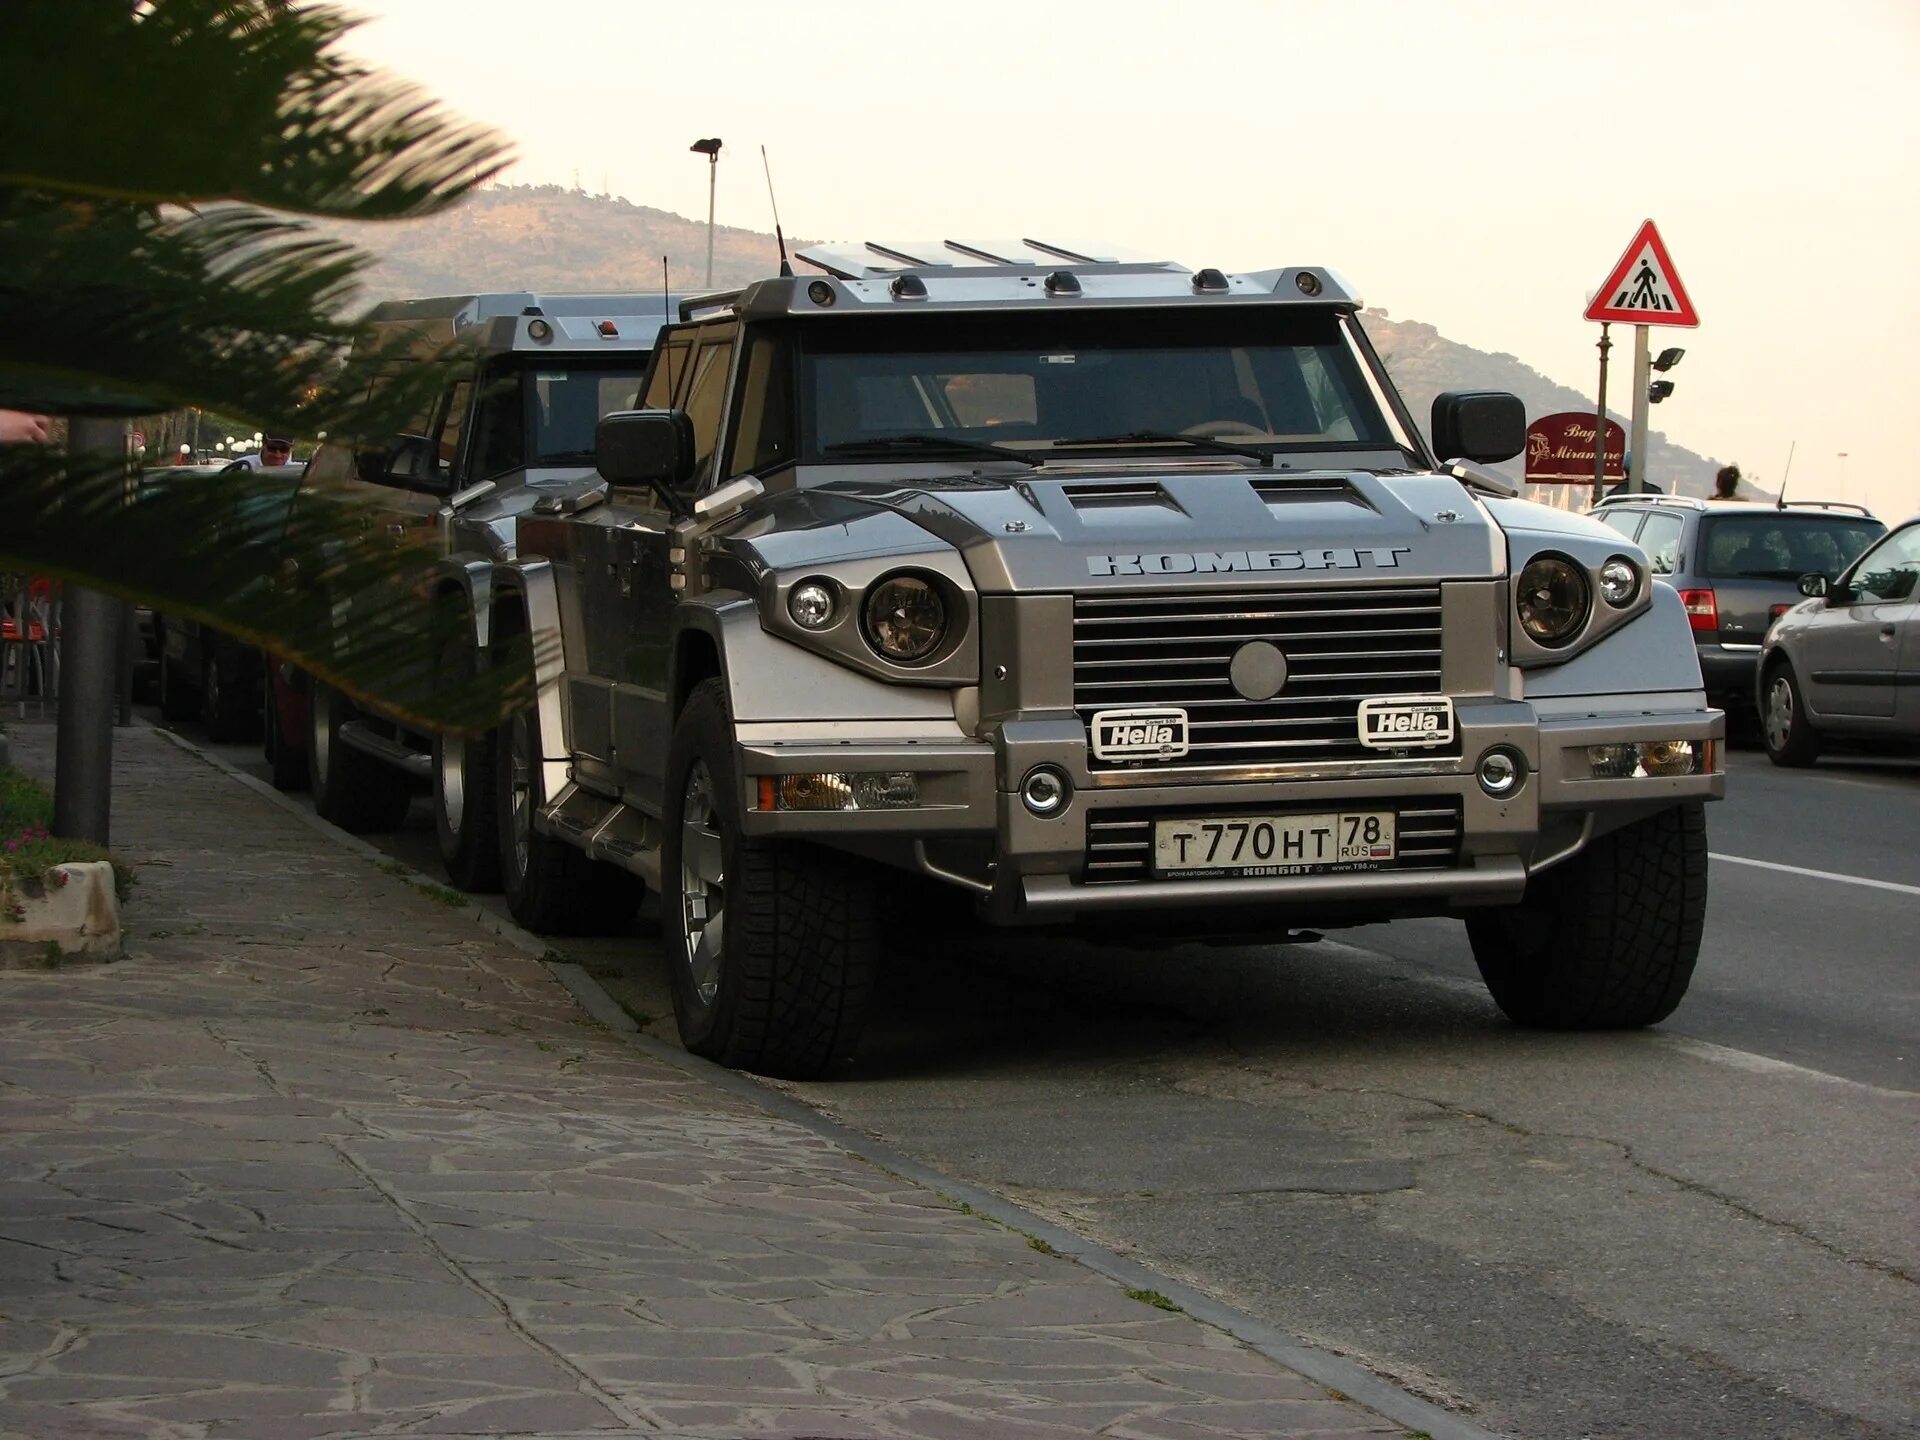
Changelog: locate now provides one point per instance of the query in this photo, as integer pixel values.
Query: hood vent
(1319, 489)
(1120, 494)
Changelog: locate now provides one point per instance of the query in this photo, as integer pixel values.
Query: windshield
(1783, 547)
(566, 405)
(1143, 380)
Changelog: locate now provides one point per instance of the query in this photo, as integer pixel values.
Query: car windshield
(1783, 546)
(1264, 381)
(567, 404)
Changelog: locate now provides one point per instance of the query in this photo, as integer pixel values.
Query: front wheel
(1790, 737)
(227, 707)
(466, 817)
(1608, 939)
(772, 948)
(351, 788)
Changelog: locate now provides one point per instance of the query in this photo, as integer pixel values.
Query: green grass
(27, 852)
(23, 805)
(1153, 1298)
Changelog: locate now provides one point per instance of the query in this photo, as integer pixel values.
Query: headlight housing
(1553, 599)
(905, 617)
(1619, 581)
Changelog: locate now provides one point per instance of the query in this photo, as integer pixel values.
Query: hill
(546, 237)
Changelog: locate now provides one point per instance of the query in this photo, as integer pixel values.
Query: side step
(609, 830)
(362, 736)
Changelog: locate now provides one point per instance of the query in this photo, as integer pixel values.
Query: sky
(1475, 164)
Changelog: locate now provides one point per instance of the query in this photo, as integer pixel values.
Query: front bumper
(973, 830)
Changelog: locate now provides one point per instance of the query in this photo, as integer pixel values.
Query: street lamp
(1841, 456)
(710, 149)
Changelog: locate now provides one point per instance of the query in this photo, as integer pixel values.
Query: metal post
(713, 181)
(89, 680)
(1637, 438)
(1600, 420)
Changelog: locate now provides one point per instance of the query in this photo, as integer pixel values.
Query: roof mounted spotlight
(1062, 282)
(1209, 279)
(820, 293)
(908, 287)
(539, 330)
(1308, 283)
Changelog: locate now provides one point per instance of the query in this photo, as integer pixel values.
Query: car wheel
(772, 948)
(176, 702)
(1608, 939)
(286, 764)
(351, 788)
(465, 814)
(1785, 729)
(551, 888)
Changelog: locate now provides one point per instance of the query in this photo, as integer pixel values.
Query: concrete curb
(1334, 1371)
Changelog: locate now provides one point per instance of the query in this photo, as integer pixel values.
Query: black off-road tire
(1786, 731)
(1608, 939)
(466, 811)
(226, 708)
(794, 978)
(351, 788)
(176, 702)
(551, 888)
(286, 764)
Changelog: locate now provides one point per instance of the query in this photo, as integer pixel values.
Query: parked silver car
(1846, 661)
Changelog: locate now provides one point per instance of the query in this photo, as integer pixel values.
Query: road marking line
(1816, 874)
(1766, 1065)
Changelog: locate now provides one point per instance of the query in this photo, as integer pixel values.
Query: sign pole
(1600, 420)
(1637, 437)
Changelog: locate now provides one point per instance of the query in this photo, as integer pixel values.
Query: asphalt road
(1706, 1230)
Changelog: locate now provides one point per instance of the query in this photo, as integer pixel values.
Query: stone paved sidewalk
(323, 1158)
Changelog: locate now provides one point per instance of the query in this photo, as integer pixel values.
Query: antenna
(1781, 503)
(786, 266)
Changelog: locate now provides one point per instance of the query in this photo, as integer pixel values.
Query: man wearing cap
(274, 452)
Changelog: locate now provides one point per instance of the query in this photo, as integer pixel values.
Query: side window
(1627, 522)
(1660, 538)
(499, 439)
(764, 437)
(668, 375)
(453, 420)
(1891, 570)
(706, 398)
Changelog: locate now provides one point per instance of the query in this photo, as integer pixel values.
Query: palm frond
(189, 101)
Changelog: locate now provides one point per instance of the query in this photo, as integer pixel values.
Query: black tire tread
(1621, 934)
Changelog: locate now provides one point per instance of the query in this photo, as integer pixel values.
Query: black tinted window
(1782, 547)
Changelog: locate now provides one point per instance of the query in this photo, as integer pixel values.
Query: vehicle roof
(910, 277)
(501, 321)
(1803, 508)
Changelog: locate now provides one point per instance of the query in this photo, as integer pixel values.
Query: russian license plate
(1257, 845)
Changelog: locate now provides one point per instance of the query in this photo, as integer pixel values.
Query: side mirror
(410, 460)
(1486, 426)
(1813, 586)
(651, 448)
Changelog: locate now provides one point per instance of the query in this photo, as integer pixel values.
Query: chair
(30, 642)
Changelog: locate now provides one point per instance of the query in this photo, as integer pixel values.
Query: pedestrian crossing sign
(1644, 288)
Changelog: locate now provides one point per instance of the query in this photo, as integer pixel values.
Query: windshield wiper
(1199, 442)
(883, 444)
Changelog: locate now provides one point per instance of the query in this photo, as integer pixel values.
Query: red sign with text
(1560, 448)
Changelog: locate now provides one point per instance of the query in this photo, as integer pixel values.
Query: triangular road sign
(1644, 288)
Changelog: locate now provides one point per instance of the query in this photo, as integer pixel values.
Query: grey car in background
(1738, 567)
(1845, 663)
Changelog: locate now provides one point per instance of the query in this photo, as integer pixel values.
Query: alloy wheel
(1779, 717)
(520, 789)
(703, 881)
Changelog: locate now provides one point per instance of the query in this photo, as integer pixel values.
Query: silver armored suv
(1101, 593)
(513, 430)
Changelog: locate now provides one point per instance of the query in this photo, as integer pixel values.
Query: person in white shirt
(274, 452)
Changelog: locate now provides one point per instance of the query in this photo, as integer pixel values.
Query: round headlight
(1619, 581)
(1553, 600)
(906, 619)
(811, 605)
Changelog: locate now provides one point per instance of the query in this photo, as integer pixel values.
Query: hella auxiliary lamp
(1650, 759)
(835, 790)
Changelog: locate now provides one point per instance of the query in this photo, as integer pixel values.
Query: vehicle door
(1906, 623)
(1852, 649)
(642, 691)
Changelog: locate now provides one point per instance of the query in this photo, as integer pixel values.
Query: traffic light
(1658, 391)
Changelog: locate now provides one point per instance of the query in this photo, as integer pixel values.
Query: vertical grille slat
(1175, 648)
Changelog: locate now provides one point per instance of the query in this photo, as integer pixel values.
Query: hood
(1197, 526)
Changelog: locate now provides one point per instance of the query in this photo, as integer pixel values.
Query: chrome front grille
(1120, 842)
(1342, 646)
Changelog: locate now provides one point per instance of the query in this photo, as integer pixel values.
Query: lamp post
(710, 149)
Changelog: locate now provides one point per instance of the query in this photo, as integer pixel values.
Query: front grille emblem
(1157, 733)
(1258, 671)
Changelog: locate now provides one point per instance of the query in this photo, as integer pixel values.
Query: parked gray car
(1737, 567)
(1845, 663)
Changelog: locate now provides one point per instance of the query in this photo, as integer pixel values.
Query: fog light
(1668, 757)
(1045, 791)
(1500, 773)
(815, 792)
(1613, 762)
(811, 605)
(895, 790)
(1619, 581)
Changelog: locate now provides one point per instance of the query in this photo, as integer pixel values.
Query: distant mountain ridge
(547, 237)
